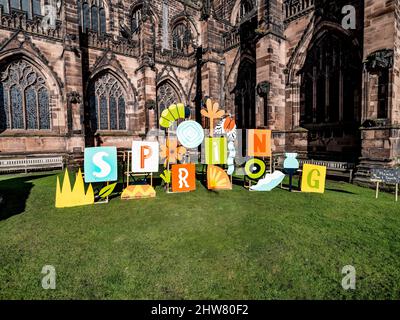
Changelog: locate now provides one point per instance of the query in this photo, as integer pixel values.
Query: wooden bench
(31, 163)
(333, 168)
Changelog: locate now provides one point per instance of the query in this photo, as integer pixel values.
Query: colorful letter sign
(183, 177)
(216, 150)
(313, 179)
(100, 164)
(259, 143)
(145, 156)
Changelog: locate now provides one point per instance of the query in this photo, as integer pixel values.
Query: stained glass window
(31, 7)
(15, 4)
(16, 107)
(181, 38)
(102, 13)
(36, 7)
(44, 119)
(95, 18)
(135, 19)
(166, 95)
(4, 3)
(86, 17)
(24, 98)
(92, 17)
(26, 6)
(107, 104)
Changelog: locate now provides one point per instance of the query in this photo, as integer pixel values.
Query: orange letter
(144, 156)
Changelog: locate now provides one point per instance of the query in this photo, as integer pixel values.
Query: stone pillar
(380, 135)
(271, 55)
(73, 78)
(212, 69)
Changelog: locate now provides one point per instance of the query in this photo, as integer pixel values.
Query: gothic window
(246, 6)
(166, 95)
(102, 14)
(86, 17)
(136, 18)
(181, 38)
(383, 93)
(93, 18)
(107, 104)
(331, 79)
(31, 7)
(24, 98)
(36, 7)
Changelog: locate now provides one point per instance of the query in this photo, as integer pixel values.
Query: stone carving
(382, 59)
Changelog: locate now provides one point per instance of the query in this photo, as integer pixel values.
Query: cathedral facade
(107, 69)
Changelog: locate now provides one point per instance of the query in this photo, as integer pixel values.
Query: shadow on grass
(14, 193)
(340, 191)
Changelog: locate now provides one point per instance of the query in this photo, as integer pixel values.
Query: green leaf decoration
(107, 190)
(166, 176)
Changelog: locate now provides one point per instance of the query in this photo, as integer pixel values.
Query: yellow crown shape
(68, 197)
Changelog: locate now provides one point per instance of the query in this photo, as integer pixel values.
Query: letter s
(105, 168)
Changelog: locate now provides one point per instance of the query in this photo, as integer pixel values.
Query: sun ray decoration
(218, 179)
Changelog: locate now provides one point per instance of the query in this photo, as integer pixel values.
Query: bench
(25, 164)
(333, 168)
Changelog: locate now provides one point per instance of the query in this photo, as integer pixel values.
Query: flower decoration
(212, 112)
(171, 152)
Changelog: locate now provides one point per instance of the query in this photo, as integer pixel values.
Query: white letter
(349, 21)
(349, 281)
(105, 168)
(49, 280)
(183, 174)
(216, 152)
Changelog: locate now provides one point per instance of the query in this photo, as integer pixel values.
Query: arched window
(107, 104)
(93, 18)
(24, 98)
(136, 19)
(245, 7)
(181, 38)
(166, 95)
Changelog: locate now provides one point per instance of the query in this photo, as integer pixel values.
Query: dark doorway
(245, 95)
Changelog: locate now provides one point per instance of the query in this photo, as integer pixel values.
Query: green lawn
(200, 245)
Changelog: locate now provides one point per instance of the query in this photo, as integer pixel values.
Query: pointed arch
(26, 95)
(107, 99)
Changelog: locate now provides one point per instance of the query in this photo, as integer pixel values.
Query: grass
(200, 245)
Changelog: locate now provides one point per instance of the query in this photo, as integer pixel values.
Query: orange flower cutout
(171, 152)
(212, 112)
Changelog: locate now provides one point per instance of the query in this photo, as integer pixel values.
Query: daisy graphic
(171, 152)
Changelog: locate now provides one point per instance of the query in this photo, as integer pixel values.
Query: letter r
(183, 175)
